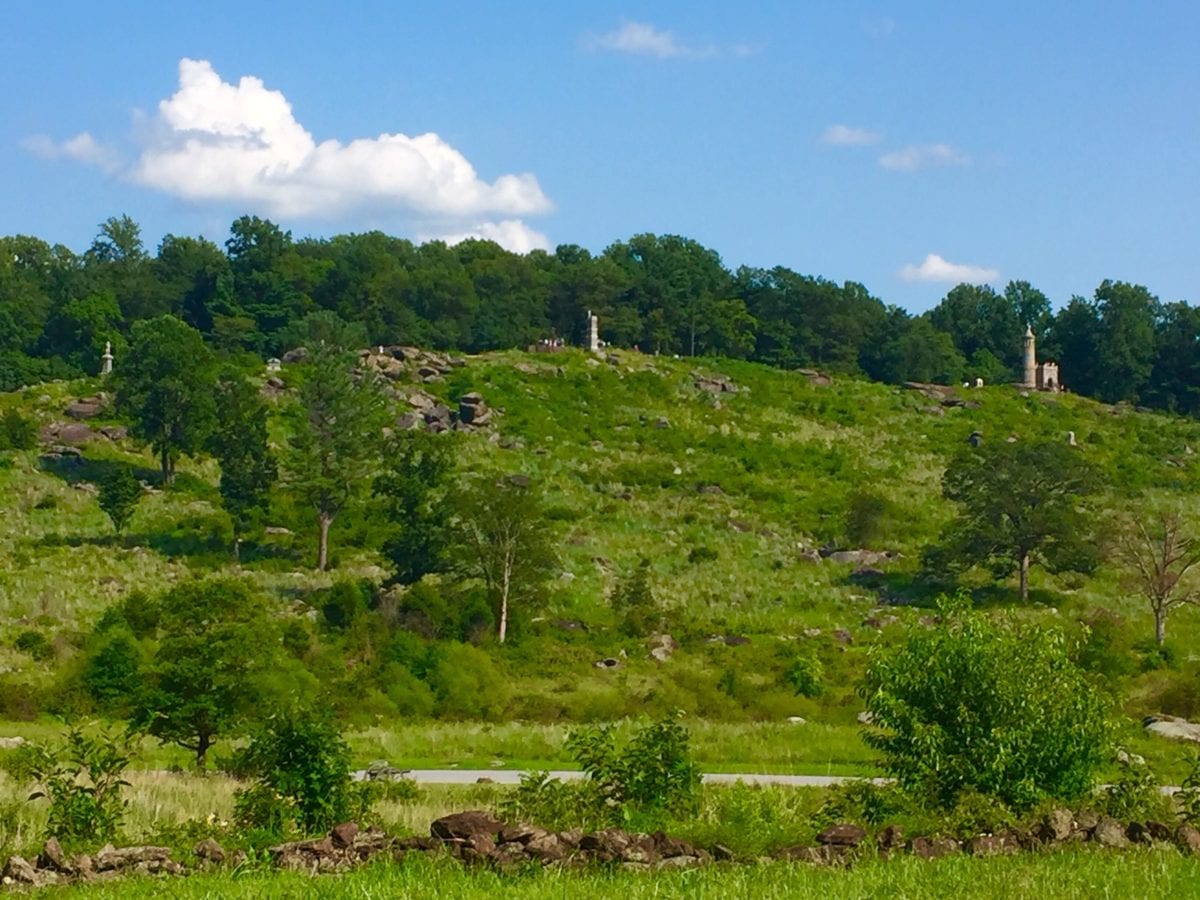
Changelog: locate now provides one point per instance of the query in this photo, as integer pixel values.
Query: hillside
(734, 479)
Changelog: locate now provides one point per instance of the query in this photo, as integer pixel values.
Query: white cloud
(848, 136)
(644, 39)
(880, 27)
(511, 234)
(240, 144)
(935, 268)
(923, 156)
(640, 39)
(82, 148)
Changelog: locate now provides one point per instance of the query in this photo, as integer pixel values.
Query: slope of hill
(735, 480)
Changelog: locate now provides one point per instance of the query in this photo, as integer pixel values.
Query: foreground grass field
(1061, 875)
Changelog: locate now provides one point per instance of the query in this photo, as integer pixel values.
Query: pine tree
(239, 442)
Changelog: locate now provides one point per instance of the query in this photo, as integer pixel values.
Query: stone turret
(1030, 379)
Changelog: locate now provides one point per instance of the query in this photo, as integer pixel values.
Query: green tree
(334, 445)
(216, 644)
(504, 539)
(985, 704)
(1018, 503)
(412, 486)
(165, 389)
(239, 442)
(119, 495)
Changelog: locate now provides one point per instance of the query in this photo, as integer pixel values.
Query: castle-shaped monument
(1038, 376)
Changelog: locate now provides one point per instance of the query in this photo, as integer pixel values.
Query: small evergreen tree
(119, 495)
(412, 486)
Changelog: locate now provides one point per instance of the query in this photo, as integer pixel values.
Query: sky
(906, 146)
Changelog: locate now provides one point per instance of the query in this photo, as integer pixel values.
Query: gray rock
(1110, 833)
(1173, 728)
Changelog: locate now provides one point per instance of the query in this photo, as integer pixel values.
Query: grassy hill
(727, 490)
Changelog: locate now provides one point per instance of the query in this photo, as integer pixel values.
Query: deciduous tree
(1160, 555)
(239, 442)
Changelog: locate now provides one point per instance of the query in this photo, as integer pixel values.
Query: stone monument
(593, 332)
(106, 360)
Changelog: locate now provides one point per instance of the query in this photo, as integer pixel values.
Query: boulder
(85, 407)
(343, 835)
(521, 834)
(662, 646)
(933, 847)
(76, 433)
(1148, 832)
(890, 838)
(669, 848)
(1110, 833)
(1057, 825)
(992, 845)
(466, 825)
(1187, 839)
(1174, 728)
(297, 355)
(21, 871)
(843, 834)
(52, 857)
(208, 850)
(111, 858)
(114, 432)
(823, 855)
(609, 662)
(546, 848)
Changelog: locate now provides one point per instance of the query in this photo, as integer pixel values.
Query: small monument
(106, 360)
(1038, 376)
(274, 364)
(593, 332)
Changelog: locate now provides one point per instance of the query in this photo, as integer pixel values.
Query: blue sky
(903, 145)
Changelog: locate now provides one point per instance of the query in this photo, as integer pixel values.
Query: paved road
(512, 776)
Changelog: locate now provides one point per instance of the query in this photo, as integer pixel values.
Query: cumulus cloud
(848, 136)
(513, 234)
(923, 156)
(935, 268)
(240, 144)
(82, 148)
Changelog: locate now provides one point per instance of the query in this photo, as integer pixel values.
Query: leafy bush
(1188, 797)
(986, 705)
(654, 771)
(301, 767)
(17, 432)
(112, 673)
(119, 496)
(860, 800)
(34, 643)
(1135, 793)
(702, 554)
(466, 683)
(82, 779)
(867, 519)
(804, 676)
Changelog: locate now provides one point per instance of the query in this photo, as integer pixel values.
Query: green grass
(1067, 874)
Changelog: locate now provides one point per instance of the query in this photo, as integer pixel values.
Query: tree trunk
(168, 471)
(323, 523)
(1160, 625)
(203, 742)
(505, 583)
(1024, 576)
(237, 548)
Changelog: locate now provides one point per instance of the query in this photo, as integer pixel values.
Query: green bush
(34, 643)
(82, 778)
(301, 767)
(804, 675)
(1188, 797)
(867, 519)
(1135, 793)
(988, 705)
(17, 432)
(635, 604)
(653, 771)
(466, 683)
(112, 672)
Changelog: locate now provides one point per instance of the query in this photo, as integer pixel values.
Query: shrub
(344, 603)
(82, 779)
(867, 518)
(986, 705)
(34, 643)
(1188, 797)
(466, 683)
(635, 603)
(654, 771)
(702, 554)
(804, 676)
(119, 496)
(1135, 793)
(17, 432)
(112, 674)
(301, 767)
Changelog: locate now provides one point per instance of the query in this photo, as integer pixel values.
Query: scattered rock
(714, 384)
(466, 825)
(843, 834)
(208, 850)
(608, 662)
(992, 845)
(86, 407)
(1109, 833)
(21, 871)
(1187, 838)
(1171, 727)
(1056, 826)
(933, 847)
(662, 646)
(11, 743)
(843, 636)
(890, 839)
(52, 857)
(343, 835)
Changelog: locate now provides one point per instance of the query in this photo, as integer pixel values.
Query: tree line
(660, 293)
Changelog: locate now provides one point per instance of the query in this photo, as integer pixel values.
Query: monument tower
(1030, 380)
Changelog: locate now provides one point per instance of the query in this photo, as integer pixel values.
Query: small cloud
(848, 136)
(640, 39)
(82, 148)
(880, 27)
(511, 234)
(935, 268)
(923, 156)
(644, 39)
